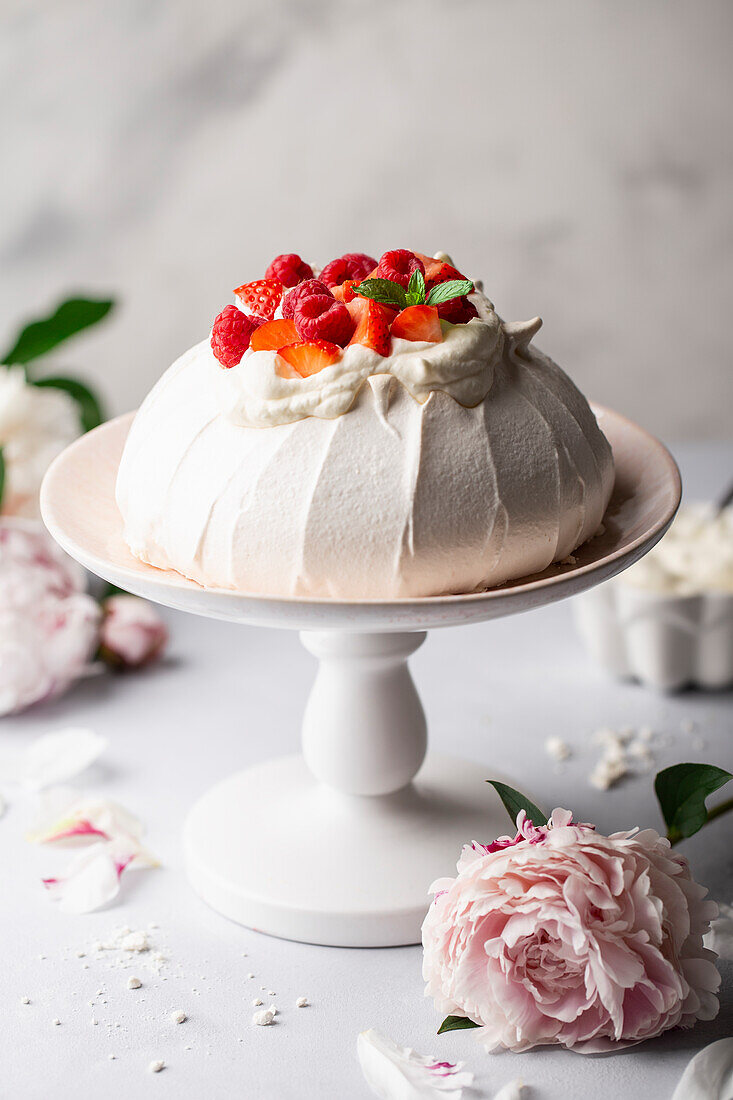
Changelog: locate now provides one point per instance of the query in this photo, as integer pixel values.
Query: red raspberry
(301, 291)
(289, 269)
(457, 310)
(398, 266)
(354, 265)
(231, 334)
(321, 317)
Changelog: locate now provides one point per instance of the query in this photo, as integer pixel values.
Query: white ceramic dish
(666, 642)
(339, 846)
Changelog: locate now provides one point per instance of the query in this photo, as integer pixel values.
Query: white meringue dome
(372, 479)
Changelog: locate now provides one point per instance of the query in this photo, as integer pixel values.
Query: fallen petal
(709, 1076)
(398, 1073)
(66, 816)
(511, 1091)
(92, 878)
(54, 758)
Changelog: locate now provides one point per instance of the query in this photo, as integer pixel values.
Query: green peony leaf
(681, 792)
(416, 288)
(453, 288)
(384, 291)
(90, 408)
(43, 335)
(456, 1023)
(514, 802)
(2, 477)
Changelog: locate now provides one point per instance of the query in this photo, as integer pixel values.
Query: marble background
(577, 154)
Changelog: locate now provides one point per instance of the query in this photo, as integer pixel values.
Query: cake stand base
(272, 848)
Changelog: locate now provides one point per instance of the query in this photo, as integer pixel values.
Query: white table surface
(227, 697)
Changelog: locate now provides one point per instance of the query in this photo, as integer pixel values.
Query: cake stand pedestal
(340, 845)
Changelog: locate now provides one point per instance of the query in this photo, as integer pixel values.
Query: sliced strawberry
(274, 335)
(260, 298)
(418, 323)
(345, 291)
(372, 324)
(310, 357)
(438, 272)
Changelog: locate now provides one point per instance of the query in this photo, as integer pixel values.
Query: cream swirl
(258, 394)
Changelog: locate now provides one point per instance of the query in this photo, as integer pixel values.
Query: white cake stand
(339, 845)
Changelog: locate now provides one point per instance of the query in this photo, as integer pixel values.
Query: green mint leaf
(454, 288)
(384, 291)
(2, 477)
(681, 792)
(514, 802)
(90, 408)
(456, 1023)
(416, 288)
(43, 335)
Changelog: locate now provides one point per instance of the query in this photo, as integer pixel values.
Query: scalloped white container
(666, 642)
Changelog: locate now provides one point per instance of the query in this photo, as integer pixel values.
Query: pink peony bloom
(571, 937)
(48, 624)
(132, 632)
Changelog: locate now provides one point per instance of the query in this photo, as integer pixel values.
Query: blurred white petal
(512, 1091)
(709, 1076)
(66, 816)
(92, 879)
(398, 1073)
(53, 758)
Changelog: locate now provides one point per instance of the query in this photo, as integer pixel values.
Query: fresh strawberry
(418, 323)
(310, 357)
(398, 265)
(321, 317)
(345, 291)
(354, 265)
(274, 335)
(260, 298)
(302, 290)
(372, 324)
(439, 272)
(289, 269)
(230, 335)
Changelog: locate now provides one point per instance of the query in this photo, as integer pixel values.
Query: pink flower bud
(132, 632)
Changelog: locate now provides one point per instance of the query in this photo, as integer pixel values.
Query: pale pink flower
(48, 624)
(132, 632)
(568, 936)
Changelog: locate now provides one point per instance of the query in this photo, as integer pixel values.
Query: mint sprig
(389, 293)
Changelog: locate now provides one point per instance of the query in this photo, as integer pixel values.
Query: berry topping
(321, 317)
(311, 357)
(289, 269)
(418, 323)
(458, 311)
(230, 335)
(260, 298)
(372, 325)
(398, 266)
(274, 335)
(344, 291)
(301, 291)
(354, 265)
(438, 272)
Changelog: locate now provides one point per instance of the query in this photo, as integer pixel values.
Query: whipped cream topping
(263, 391)
(695, 556)
(457, 466)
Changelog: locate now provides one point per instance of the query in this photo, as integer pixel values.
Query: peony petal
(398, 1073)
(709, 1076)
(93, 877)
(511, 1091)
(66, 816)
(720, 937)
(54, 758)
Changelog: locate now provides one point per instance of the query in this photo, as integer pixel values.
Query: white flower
(132, 634)
(48, 624)
(36, 423)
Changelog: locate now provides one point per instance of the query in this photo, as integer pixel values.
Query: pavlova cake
(369, 430)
